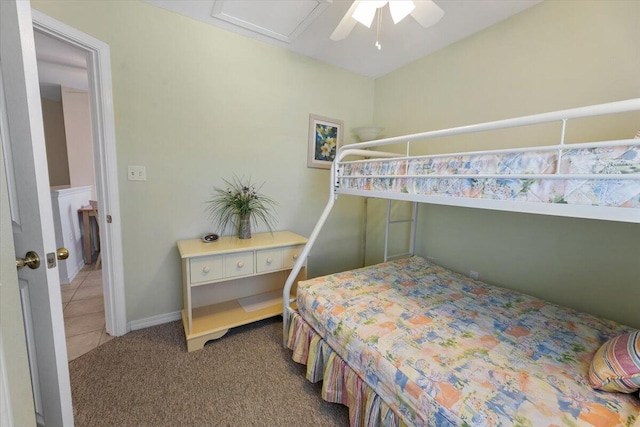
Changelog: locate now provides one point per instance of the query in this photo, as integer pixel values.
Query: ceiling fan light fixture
(425, 12)
(400, 9)
(366, 11)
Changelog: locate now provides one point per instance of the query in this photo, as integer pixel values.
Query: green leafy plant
(239, 204)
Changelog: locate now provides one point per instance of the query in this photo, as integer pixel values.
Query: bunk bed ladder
(412, 236)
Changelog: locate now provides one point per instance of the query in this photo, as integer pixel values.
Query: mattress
(456, 176)
(440, 349)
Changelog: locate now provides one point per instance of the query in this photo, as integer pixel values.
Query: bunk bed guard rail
(341, 174)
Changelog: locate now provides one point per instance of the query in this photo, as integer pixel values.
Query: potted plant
(238, 205)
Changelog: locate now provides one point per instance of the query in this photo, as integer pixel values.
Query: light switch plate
(136, 173)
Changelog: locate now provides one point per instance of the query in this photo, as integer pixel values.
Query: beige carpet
(246, 378)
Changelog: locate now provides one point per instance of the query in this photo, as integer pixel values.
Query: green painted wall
(196, 104)
(556, 55)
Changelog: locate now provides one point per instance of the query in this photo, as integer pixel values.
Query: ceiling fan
(426, 12)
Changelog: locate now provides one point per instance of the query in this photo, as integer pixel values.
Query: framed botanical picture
(325, 137)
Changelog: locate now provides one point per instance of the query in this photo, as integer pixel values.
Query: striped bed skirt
(340, 383)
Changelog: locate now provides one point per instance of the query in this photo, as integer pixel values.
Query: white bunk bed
(595, 180)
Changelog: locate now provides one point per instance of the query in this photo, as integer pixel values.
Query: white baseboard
(154, 320)
(70, 276)
(74, 273)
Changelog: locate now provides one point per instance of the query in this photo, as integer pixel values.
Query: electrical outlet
(136, 173)
(474, 275)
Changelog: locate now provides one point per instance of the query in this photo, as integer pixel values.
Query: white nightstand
(232, 282)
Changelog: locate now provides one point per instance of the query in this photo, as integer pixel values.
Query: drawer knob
(240, 264)
(206, 269)
(295, 256)
(269, 260)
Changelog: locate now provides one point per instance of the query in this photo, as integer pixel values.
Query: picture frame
(325, 138)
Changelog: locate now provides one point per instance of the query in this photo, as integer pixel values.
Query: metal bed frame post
(414, 228)
(286, 292)
(560, 150)
(365, 220)
(286, 298)
(412, 237)
(386, 231)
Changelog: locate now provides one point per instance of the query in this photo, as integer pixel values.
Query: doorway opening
(64, 92)
(96, 78)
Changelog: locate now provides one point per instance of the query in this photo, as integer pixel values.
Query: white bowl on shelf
(368, 133)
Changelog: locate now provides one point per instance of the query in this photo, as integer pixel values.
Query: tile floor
(83, 308)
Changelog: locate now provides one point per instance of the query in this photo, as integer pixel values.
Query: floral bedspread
(400, 176)
(443, 350)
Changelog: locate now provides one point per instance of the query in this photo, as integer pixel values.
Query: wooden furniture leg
(86, 225)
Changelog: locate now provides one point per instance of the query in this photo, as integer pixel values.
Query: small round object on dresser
(209, 237)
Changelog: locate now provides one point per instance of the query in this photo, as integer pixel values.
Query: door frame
(105, 161)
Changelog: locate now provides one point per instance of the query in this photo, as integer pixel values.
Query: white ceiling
(59, 64)
(304, 26)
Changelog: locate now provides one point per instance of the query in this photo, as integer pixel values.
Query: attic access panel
(282, 20)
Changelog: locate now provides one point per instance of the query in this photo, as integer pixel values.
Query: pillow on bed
(616, 364)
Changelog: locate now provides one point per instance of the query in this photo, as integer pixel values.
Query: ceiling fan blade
(427, 13)
(347, 23)
(400, 9)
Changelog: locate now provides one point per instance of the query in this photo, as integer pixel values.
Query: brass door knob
(31, 260)
(62, 253)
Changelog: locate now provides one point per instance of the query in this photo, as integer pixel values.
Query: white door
(29, 194)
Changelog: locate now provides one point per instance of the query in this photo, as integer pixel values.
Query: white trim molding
(154, 320)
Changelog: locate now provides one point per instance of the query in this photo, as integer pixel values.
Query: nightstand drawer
(206, 269)
(238, 264)
(268, 260)
(291, 254)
